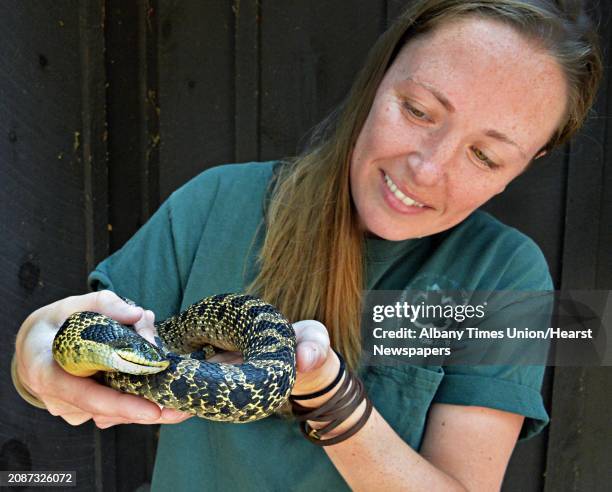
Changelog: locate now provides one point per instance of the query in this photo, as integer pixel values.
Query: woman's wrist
(344, 426)
(324, 398)
(335, 412)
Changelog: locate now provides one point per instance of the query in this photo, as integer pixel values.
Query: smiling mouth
(400, 196)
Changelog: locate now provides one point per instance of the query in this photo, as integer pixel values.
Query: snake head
(133, 354)
(89, 342)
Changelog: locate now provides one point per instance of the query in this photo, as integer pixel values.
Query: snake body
(177, 374)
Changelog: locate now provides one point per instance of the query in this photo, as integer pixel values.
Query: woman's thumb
(310, 356)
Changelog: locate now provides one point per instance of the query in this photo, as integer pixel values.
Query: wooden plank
(94, 135)
(148, 57)
(310, 54)
(47, 138)
(584, 193)
(534, 203)
(580, 435)
(603, 275)
(133, 124)
(525, 471)
(580, 442)
(93, 160)
(246, 146)
(196, 89)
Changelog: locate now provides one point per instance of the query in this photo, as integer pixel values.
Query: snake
(175, 373)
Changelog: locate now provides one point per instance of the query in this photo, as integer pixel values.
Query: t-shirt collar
(378, 249)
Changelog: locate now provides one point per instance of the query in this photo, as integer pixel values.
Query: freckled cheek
(464, 197)
(385, 137)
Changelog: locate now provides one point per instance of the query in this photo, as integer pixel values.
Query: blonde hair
(311, 263)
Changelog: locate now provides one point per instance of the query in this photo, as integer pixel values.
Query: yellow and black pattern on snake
(177, 375)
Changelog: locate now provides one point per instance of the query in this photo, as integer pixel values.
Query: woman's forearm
(376, 458)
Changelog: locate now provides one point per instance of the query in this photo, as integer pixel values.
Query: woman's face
(459, 114)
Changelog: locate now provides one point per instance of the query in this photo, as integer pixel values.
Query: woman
(455, 101)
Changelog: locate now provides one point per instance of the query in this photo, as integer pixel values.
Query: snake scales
(176, 375)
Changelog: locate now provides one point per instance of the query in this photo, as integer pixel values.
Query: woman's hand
(317, 363)
(77, 399)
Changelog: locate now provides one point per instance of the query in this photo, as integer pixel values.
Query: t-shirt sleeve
(512, 388)
(153, 267)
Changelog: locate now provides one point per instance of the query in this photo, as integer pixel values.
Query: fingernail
(311, 357)
(145, 416)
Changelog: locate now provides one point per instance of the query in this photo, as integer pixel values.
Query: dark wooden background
(106, 107)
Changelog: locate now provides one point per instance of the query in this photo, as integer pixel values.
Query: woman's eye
(481, 156)
(418, 114)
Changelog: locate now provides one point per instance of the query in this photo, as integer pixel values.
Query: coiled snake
(176, 375)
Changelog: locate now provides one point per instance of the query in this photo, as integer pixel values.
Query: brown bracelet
(21, 389)
(336, 416)
(334, 412)
(345, 435)
(339, 399)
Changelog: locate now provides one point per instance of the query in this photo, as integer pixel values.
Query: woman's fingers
(76, 418)
(168, 416)
(105, 425)
(75, 415)
(145, 326)
(101, 400)
(172, 416)
(93, 398)
(59, 408)
(312, 344)
(103, 302)
(70, 413)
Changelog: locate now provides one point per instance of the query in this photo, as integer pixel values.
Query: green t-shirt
(203, 241)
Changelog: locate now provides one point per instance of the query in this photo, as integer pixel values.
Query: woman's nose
(430, 162)
(426, 170)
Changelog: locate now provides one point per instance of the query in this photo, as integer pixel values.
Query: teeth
(399, 195)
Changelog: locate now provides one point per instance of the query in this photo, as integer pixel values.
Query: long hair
(311, 263)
